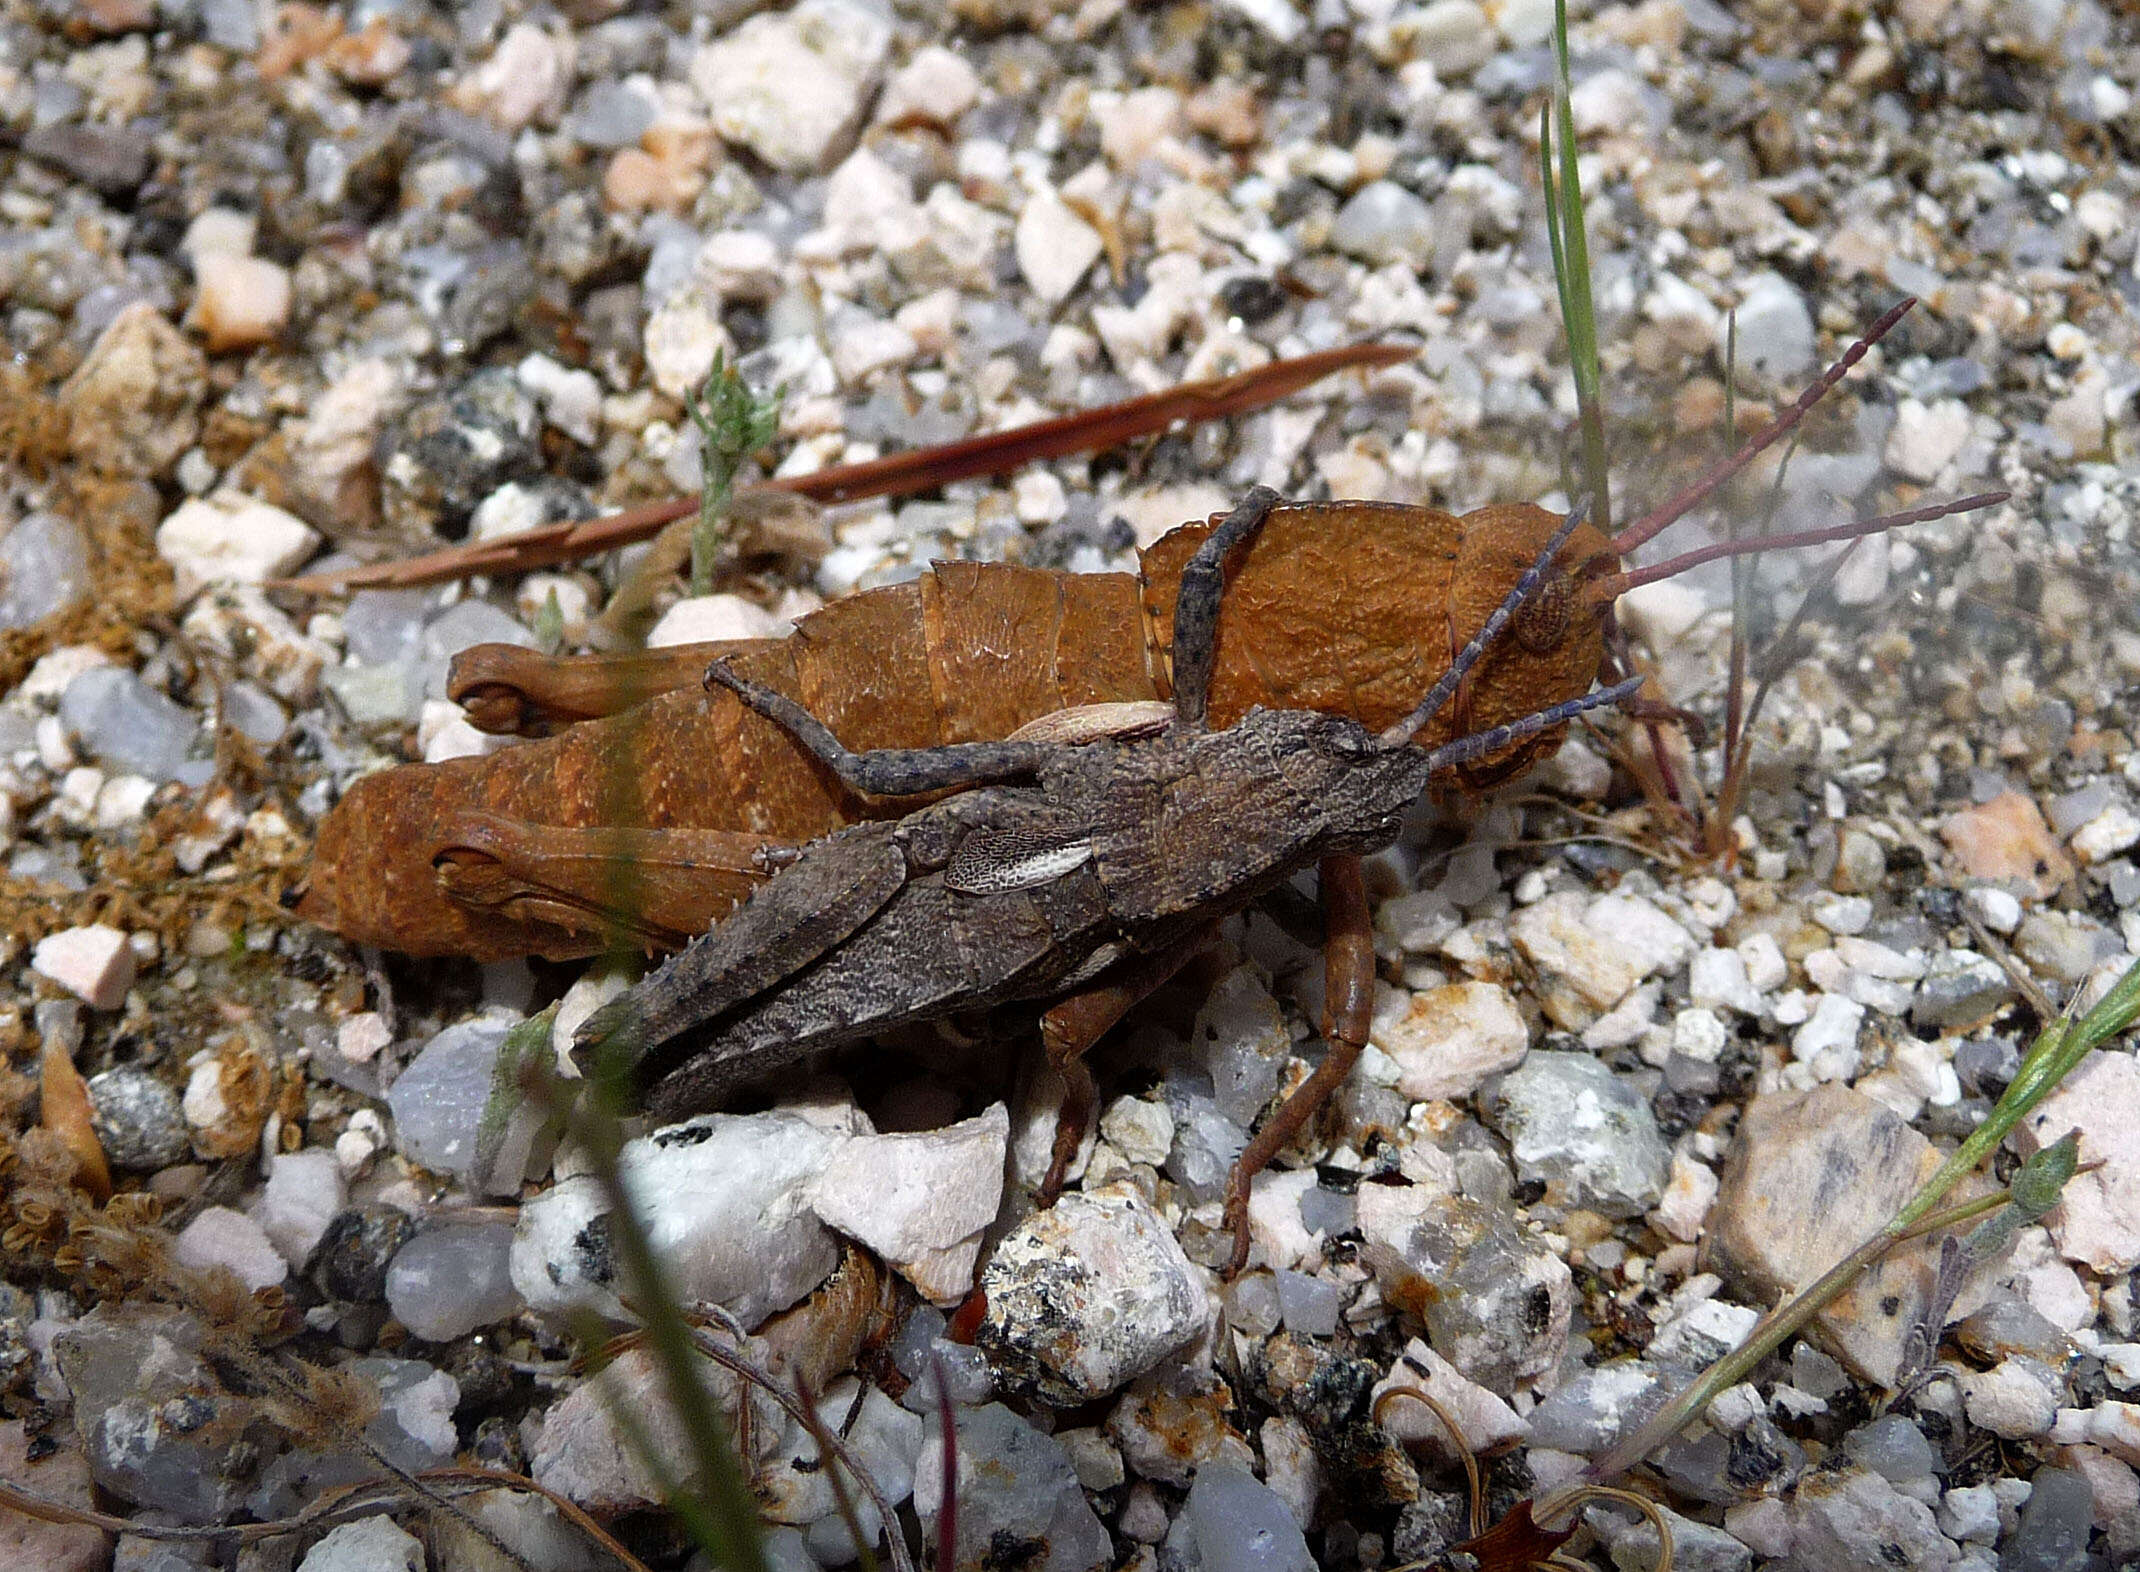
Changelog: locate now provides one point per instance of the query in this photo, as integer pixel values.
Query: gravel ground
(305, 286)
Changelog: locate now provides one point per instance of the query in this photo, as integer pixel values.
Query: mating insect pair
(1088, 884)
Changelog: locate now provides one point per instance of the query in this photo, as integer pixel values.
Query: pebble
(935, 88)
(126, 723)
(921, 1201)
(1970, 1514)
(1488, 1424)
(1448, 1041)
(1593, 1408)
(1716, 978)
(449, 1281)
(58, 1475)
(2116, 829)
(1926, 438)
(885, 1440)
(217, 1236)
(2052, 1534)
(2097, 1222)
(95, 964)
(1383, 223)
(304, 1193)
(239, 302)
(525, 78)
(438, 1099)
(1775, 330)
(1019, 1502)
(138, 1120)
(1586, 1133)
(1088, 1295)
(1811, 1175)
(2006, 841)
(1240, 1524)
(1853, 1518)
(791, 86)
(1829, 1039)
(584, 1454)
(1241, 1036)
(1308, 1305)
(370, 1544)
(1496, 1302)
(44, 569)
(231, 536)
(1590, 951)
(447, 453)
(1140, 1128)
(1961, 991)
(1688, 1195)
(1055, 247)
(159, 1430)
(134, 401)
(350, 1262)
(725, 1199)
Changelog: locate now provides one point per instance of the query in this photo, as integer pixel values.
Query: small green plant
(733, 423)
(1567, 234)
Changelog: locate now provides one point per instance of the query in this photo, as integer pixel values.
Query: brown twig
(900, 474)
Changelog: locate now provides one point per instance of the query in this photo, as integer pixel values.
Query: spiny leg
(1524, 588)
(1070, 1028)
(884, 772)
(1197, 601)
(1348, 1007)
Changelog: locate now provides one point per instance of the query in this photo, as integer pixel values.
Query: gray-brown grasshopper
(1089, 885)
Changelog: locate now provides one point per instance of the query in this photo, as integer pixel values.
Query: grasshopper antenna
(1525, 587)
(1656, 519)
(1611, 586)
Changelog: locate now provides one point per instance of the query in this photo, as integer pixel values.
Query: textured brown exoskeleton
(1090, 885)
(659, 805)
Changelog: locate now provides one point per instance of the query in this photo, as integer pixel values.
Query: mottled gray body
(1119, 850)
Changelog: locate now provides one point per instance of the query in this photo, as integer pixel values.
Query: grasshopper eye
(1541, 622)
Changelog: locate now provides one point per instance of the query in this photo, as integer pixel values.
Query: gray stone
(1961, 990)
(1855, 1521)
(126, 724)
(351, 1260)
(1019, 1501)
(1495, 1301)
(1775, 330)
(610, 114)
(158, 1427)
(449, 1281)
(1242, 1525)
(1594, 1408)
(1244, 1043)
(383, 626)
(138, 1119)
(1384, 223)
(447, 454)
(2052, 1535)
(1894, 1448)
(1586, 1133)
(438, 1100)
(44, 568)
(113, 159)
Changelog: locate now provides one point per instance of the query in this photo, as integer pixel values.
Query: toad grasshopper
(1089, 884)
